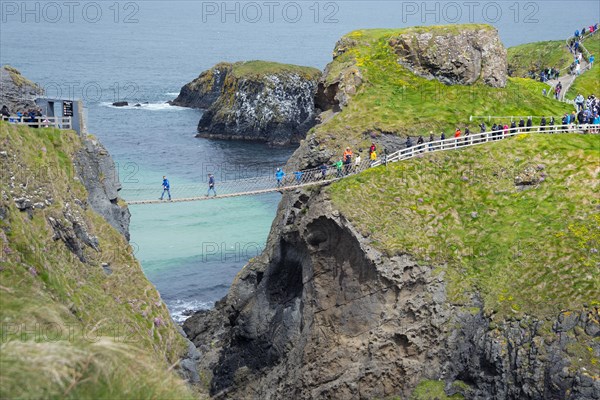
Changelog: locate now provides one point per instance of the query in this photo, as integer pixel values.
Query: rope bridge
(317, 176)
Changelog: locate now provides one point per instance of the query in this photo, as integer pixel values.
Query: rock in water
(473, 53)
(254, 100)
(120, 103)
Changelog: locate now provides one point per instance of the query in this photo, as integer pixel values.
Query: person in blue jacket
(166, 188)
(279, 175)
(211, 185)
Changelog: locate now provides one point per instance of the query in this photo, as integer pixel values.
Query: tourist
(578, 69)
(211, 185)
(339, 165)
(347, 157)
(529, 124)
(505, 129)
(551, 125)
(591, 60)
(431, 140)
(4, 112)
(357, 161)
(279, 174)
(373, 157)
(513, 126)
(543, 124)
(420, 141)
(166, 188)
(521, 125)
(298, 175)
(372, 148)
(579, 102)
(408, 144)
(323, 168)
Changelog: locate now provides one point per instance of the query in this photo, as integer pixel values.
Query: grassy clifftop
(260, 68)
(517, 221)
(589, 82)
(391, 99)
(538, 55)
(79, 319)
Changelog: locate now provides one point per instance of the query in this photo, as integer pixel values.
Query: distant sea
(144, 51)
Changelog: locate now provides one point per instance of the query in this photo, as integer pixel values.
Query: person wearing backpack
(279, 174)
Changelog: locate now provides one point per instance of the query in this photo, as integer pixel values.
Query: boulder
(454, 57)
(120, 103)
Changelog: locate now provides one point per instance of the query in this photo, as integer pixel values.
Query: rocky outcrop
(322, 314)
(18, 93)
(453, 57)
(205, 90)
(339, 82)
(97, 172)
(258, 101)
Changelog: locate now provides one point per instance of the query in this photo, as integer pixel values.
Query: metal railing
(40, 122)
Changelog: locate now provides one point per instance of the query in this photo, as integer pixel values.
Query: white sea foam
(172, 93)
(163, 106)
(179, 307)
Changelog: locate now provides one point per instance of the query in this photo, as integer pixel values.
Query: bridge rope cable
(318, 176)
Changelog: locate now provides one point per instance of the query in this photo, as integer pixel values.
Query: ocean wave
(180, 309)
(172, 93)
(163, 106)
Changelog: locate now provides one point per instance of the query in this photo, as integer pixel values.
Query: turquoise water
(147, 51)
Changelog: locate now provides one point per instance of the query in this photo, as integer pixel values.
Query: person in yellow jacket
(373, 157)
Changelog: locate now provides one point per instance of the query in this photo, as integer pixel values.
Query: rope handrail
(318, 176)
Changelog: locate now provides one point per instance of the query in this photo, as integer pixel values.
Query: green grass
(393, 100)
(432, 390)
(68, 329)
(258, 68)
(537, 56)
(18, 79)
(589, 82)
(531, 251)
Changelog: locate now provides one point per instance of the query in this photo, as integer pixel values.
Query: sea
(145, 51)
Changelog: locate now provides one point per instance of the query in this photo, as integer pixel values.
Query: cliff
(411, 276)
(468, 274)
(371, 92)
(254, 100)
(79, 318)
(18, 93)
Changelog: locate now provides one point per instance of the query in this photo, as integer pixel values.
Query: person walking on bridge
(166, 188)
(279, 176)
(211, 185)
(347, 157)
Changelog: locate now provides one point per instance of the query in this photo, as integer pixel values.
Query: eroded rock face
(96, 170)
(273, 107)
(323, 315)
(454, 57)
(203, 91)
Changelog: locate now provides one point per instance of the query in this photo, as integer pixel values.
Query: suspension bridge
(140, 195)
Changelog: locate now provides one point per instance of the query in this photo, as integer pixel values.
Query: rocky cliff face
(96, 170)
(18, 93)
(203, 91)
(322, 314)
(462, 57)
(258, 101)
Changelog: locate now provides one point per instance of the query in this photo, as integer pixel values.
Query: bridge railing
(40, 122)
(481, 138)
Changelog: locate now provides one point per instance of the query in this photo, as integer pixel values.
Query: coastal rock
(120, 103)
(473, 53)
(254, 100)
(205, 90)
(96, 170)
(18, 93)
(338, 85)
